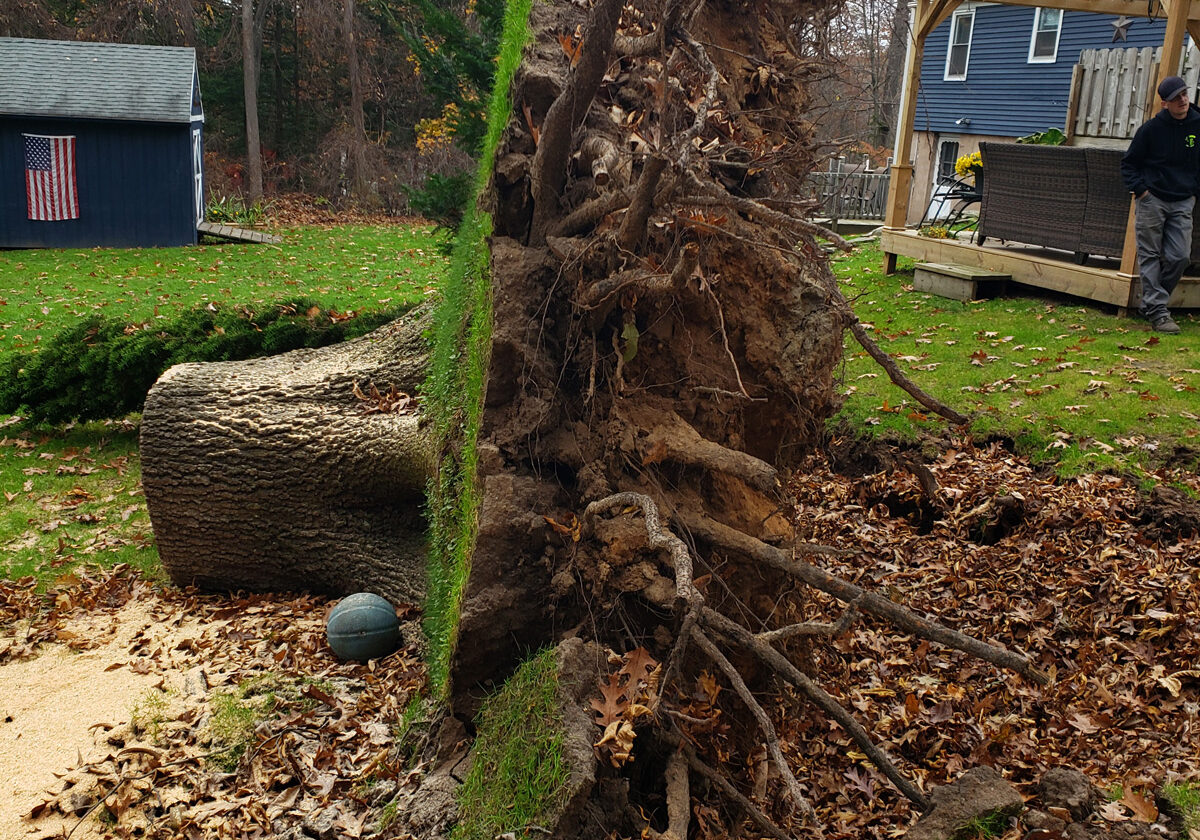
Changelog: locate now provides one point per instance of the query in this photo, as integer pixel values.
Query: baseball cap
(1171, 87)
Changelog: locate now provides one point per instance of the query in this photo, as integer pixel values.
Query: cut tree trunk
(299, 471)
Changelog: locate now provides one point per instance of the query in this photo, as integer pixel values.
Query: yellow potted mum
(972, 165)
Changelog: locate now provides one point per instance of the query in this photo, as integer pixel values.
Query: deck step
(960, 282)
(237, 234)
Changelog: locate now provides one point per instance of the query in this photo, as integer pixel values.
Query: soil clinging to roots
(666, 330)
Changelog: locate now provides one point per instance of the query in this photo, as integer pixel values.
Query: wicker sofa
(1058, 197)
(1106, 212)
(1055, 196)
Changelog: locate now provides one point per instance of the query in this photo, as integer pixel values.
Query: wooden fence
(850, 195)
(1113, 91)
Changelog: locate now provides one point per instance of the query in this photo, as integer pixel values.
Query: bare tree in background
(250, 57)
(893, 68)
(867, 41)
(28, 19)
(166, 22)
(358, 140)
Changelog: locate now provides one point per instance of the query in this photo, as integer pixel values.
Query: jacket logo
(1190, 141)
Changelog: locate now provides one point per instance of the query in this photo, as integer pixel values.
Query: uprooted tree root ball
(666, 330)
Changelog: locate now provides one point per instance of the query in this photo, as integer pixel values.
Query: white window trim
(946, 76)
(942, 140)
(1037, 19)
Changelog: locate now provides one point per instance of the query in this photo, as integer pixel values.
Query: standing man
(1162, 169)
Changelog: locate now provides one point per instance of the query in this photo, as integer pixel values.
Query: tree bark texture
(358, 150)
(273, 474)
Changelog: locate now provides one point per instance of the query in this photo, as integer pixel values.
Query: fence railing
(850, 195)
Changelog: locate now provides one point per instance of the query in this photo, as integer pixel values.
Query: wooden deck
(237, 234)
(1099, 280)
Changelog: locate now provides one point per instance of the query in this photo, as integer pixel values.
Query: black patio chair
(962, 194)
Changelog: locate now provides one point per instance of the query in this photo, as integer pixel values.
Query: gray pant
(1164, 246)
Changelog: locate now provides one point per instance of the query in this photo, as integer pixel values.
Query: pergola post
(901, 176)
(1177, 21)
(927, 14)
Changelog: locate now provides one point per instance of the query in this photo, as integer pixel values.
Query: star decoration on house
(1120, 28)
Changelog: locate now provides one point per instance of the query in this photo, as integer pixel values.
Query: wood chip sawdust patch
(129, 709)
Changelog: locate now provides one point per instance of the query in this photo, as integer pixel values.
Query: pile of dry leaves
(299, 210)
(1096, 582)
(252, 728)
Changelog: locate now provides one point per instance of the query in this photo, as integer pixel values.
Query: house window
(947, 157)
(1043, 46)
(959, 49)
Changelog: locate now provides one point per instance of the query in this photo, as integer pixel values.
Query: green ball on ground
(362, 626)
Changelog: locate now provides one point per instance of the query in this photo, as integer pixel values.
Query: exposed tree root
(549, 172)
(682, 444)
(712, 195)
(633, 226)
(600, 157)
(737, 634)
(679, 799)
(764, 722)
(726, 787)
(903, 618)
(899, 379)
(812, 628)
(699, 618)
(588, 215)
(660, 538)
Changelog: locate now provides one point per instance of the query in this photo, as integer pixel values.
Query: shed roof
(78, 79)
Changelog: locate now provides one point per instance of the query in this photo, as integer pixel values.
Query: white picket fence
(1112, 87)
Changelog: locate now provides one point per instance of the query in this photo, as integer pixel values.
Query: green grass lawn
(70, 496)
(348, 268)
(73, 494)
(1069, 381)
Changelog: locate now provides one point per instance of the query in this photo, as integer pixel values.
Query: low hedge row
(102, 369)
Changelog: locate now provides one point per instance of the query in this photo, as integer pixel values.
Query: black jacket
(1164, 157)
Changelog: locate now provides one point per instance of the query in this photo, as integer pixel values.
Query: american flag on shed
(50, 178)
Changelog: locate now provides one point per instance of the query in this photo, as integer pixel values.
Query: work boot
(1164, 324)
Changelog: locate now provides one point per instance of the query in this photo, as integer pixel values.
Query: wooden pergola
(1183, 16)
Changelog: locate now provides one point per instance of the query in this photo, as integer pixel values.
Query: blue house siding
(1003, 94)
(134, 181)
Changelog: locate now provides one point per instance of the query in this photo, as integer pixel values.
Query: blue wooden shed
(100, 145)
